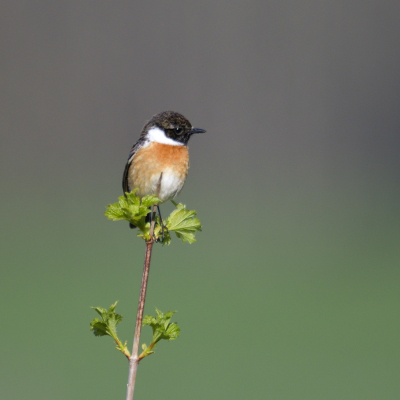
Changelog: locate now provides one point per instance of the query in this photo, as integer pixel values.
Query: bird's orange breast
(152, 160)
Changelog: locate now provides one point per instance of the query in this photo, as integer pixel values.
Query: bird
(158, 162)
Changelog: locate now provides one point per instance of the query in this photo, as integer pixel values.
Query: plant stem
(134, 360)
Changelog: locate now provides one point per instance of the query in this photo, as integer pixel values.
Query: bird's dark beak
(197, 130)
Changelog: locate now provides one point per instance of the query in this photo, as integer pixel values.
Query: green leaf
(99, 328)
(150, 200)
(132, 209)
(173, 331)
(107, 326)
(162, 328)
(161, 325)
(148, 320)
(184, 223)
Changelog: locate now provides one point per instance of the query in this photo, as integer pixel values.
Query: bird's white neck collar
(158, 135)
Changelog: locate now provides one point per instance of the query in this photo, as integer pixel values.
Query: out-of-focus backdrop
(292, 289)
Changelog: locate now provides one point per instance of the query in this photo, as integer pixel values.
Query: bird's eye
(178, 130)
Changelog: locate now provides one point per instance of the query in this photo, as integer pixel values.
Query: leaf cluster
(107, 326)
(134, 210)
(163, 329)
(161, 325)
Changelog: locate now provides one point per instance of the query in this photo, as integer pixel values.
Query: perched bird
(158, 162)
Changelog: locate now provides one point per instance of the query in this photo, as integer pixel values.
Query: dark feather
(139, 144)
(125, 186)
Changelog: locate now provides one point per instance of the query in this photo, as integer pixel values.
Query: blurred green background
(292, 289)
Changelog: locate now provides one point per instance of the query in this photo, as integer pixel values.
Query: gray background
(292, 289)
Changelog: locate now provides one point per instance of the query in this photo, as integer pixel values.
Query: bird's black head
(174, 125)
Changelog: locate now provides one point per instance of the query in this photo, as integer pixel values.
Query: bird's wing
(139, 144)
